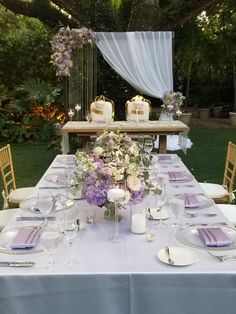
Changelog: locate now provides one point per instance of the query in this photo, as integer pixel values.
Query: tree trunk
(234, 74)
(144, 16)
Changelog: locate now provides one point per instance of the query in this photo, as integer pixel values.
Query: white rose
(98, 150)
(133, 183)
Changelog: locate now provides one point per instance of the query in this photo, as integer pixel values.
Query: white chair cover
(101, 111)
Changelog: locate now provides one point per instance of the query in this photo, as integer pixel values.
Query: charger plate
(6, 238)
(31, 204)
(204, 201)
(189, 236)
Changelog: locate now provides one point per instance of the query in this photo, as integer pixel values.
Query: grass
(206, 158)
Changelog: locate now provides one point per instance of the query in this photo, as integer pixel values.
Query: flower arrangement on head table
(63, 44)
(115, 159)
(172, 101)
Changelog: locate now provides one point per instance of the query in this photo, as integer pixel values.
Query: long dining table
(161, 128)
(119, 278)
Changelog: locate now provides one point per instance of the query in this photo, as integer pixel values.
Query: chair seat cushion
(6, 215)
(229, 211)
(214, 190)
(20, 194)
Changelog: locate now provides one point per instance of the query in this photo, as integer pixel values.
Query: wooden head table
(161, 128)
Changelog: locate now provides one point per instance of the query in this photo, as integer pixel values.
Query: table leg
(162, 144)
(65, 143)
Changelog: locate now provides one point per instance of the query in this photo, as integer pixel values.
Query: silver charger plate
(189, 236)
(204, 201)
(31, 204)
(6, 238)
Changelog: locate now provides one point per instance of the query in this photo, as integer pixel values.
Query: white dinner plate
(165, 213)
(6, 238)
(31, 204)
(180, 256)
(190, 237)
(204, 201)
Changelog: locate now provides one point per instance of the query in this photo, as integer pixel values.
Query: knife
(52, 187)
(167, 251)
(32, 218)
(17, 264)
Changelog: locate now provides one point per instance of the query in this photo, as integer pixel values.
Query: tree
(139, 15)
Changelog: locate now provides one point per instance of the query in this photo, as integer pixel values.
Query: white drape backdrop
(144, 59)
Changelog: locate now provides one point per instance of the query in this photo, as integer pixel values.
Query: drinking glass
(177, 206)
(50, 240)
(88, 116)
(162, 197)
(45, 203)
(148, 146)
(77, 108)
(70, 233)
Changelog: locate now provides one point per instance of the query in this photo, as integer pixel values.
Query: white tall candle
(138, 223)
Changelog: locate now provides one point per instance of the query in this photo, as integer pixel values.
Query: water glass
(148, 146)
(177, 206)
(45, 203)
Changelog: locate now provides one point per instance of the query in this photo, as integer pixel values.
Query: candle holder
(77, 108)
(71, 114)
(116, 196)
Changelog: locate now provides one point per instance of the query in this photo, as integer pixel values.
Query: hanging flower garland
(63, 44)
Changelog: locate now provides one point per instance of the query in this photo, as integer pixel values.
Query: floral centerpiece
(114, 160)
(172, 101)
(63, 44)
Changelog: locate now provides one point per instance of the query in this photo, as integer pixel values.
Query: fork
(191, 215)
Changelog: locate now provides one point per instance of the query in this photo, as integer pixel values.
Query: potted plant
(217, 110)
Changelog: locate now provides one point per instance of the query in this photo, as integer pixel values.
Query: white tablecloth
(119, 278)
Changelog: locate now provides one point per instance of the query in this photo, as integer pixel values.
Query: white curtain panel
(143, 59)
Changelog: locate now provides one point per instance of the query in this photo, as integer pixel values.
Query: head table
(118, 278)
(161, 128)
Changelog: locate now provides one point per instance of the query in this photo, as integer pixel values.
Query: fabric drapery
(143, 59)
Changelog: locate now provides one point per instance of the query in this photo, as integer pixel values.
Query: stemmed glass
(177, 206)
(88, 116)
(77, 108)
(116, 196)
(162, 197)
(45, 203)
(148, 146)
(70, 233)
(71, 114)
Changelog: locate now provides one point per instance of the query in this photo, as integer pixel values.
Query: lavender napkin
(176, 176)
(164, 158)
(214, 237)
(70, 160)
(26, 238)
(191, 201)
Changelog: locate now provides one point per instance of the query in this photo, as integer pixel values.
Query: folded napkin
(26, 238)
(176, 176)
(214, 237)
(191, 201)
(58, 178)
(164, 158)
(70, 160)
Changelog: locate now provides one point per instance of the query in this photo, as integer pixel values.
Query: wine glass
(88, 116)
(45, 203)
(70, 233)
(162, 197)
(50, 240)
(148, 146)
(177, 206)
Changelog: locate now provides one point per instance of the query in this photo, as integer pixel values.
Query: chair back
(7, 170)
(230, 167)
(138, 109)
(102, 109)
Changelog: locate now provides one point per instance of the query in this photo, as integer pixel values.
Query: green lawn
(205, 159)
